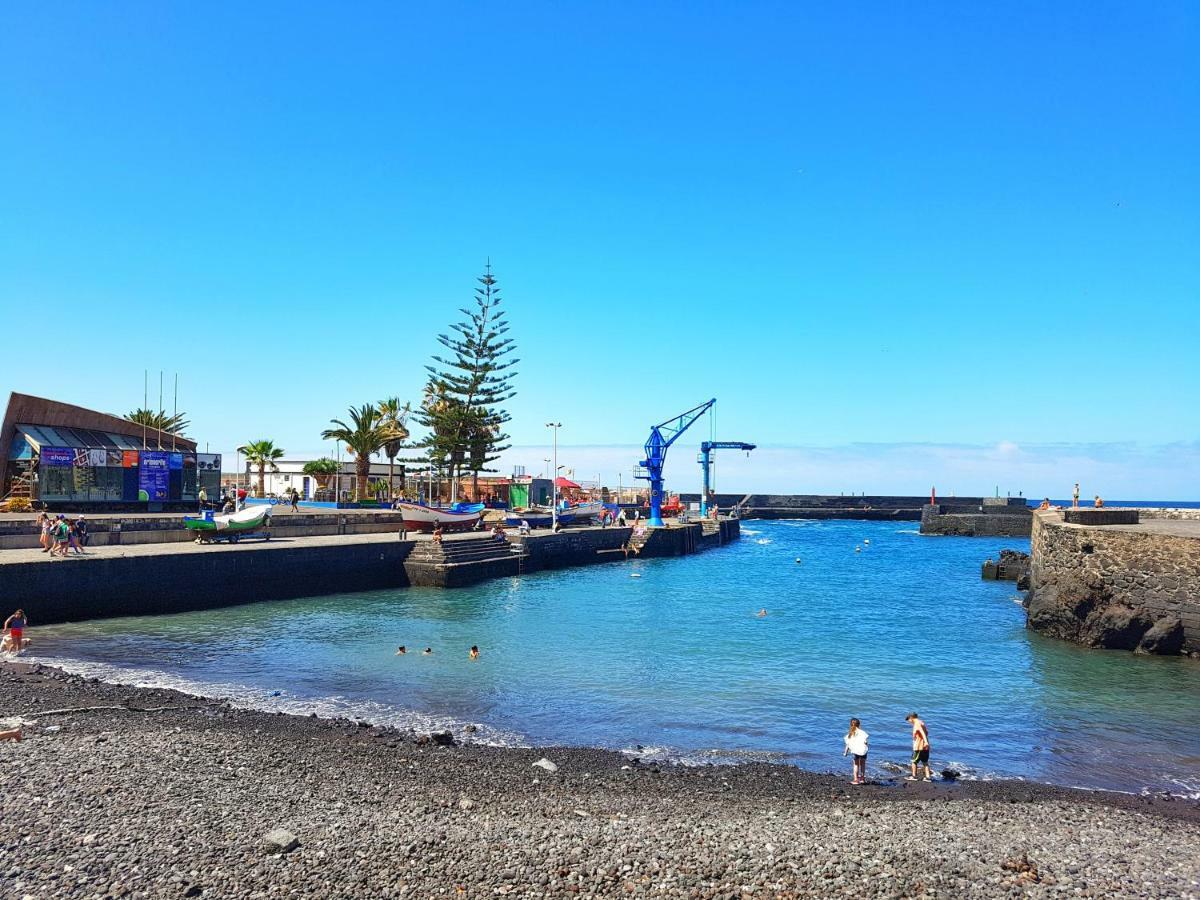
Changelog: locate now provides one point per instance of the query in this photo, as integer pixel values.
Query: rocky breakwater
(1121, 583)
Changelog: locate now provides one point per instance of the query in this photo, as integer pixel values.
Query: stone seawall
(1117, 586)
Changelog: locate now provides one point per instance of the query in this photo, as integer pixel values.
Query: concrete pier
(167, 577)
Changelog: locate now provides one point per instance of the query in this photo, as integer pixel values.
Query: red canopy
(565, 483)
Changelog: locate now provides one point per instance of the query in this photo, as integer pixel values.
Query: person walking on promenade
(44, 522)
(920, 755)
(14, 629)
(202, 500)
(856, 745)
(73, 537)
(61, 533)
(621, 520)
(1075, 497)
(81, 531)
(295, 500)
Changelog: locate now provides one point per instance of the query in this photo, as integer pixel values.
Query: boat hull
(425, 518)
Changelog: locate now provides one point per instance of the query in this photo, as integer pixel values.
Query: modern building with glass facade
(59, 456)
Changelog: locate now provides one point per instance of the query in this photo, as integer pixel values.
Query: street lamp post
(554, 475)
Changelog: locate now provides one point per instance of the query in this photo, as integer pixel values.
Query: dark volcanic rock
(1115, 627)
(1059, 613)
(1164, 637)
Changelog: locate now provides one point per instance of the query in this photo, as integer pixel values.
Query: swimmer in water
(428, 651)
(401, 650)
(761, 613)
(474, 652)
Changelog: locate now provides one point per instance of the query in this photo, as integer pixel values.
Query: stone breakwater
(1118, 586)
(173, 796)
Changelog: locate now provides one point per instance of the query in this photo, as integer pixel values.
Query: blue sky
(948, 226)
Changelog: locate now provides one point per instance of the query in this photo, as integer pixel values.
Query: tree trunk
(262, 483)
(474, 487)
(362, 468)
(403, 481)
(391, 477)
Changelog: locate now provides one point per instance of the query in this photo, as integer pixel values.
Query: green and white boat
(233, 525)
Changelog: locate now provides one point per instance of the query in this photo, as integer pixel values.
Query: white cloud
(1120, 471)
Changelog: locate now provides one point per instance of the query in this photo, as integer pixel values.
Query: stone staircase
(467, 551)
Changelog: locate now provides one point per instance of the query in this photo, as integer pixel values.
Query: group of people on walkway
(856, 746)
(59, 535)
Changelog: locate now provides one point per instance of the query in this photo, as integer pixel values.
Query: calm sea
(670, 657)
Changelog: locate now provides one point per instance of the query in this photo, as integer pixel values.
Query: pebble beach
(118, 791)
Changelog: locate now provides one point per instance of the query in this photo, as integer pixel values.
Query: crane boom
(661, 437)
(706, 449)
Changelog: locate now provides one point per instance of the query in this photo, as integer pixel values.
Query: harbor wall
(1116, 586)
(171, 581)
(991, 518)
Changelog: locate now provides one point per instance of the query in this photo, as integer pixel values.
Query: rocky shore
(125, 792)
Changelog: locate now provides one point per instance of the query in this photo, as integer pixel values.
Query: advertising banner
(129, 459)
(116, 458)
(97, 458)
(154, 474)
(209, 462)
(58, 456)
(176, 461)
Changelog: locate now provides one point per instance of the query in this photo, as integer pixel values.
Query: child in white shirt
(856, 745)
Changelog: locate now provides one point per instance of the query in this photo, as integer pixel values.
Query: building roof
(45, 421)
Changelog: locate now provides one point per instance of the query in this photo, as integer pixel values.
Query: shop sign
(58, 456)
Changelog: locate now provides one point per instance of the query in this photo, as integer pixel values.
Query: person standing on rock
(1075, 497)
(856, 745)
(920, 755)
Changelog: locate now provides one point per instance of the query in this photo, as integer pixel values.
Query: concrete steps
(460, 552)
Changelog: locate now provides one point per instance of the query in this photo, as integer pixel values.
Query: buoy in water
(858, 549)
(866, 540)
(635, 575)
(797, 559)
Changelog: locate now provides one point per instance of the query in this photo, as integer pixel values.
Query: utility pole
(554, 476)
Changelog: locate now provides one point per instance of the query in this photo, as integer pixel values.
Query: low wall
(1116, 586)
(105, 531)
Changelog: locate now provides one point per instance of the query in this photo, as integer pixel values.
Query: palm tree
(395, 414)
(322, 469)
(262, 454)
(157, 419)
(367, 434)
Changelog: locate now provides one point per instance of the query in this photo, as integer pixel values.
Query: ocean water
(676, 663)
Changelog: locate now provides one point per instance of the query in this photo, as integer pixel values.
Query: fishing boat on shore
(232, 525)
(458, 516)
(543, 516)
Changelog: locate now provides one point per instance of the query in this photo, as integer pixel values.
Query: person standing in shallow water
(920, 755)
(856, 745)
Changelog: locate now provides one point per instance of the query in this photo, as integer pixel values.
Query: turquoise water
(677, 662)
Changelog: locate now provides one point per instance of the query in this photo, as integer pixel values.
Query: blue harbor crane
(705, 460)
(661, 437)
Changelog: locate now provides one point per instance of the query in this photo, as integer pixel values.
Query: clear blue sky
(950, 224)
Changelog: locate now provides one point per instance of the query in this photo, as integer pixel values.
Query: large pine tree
(468, 386)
